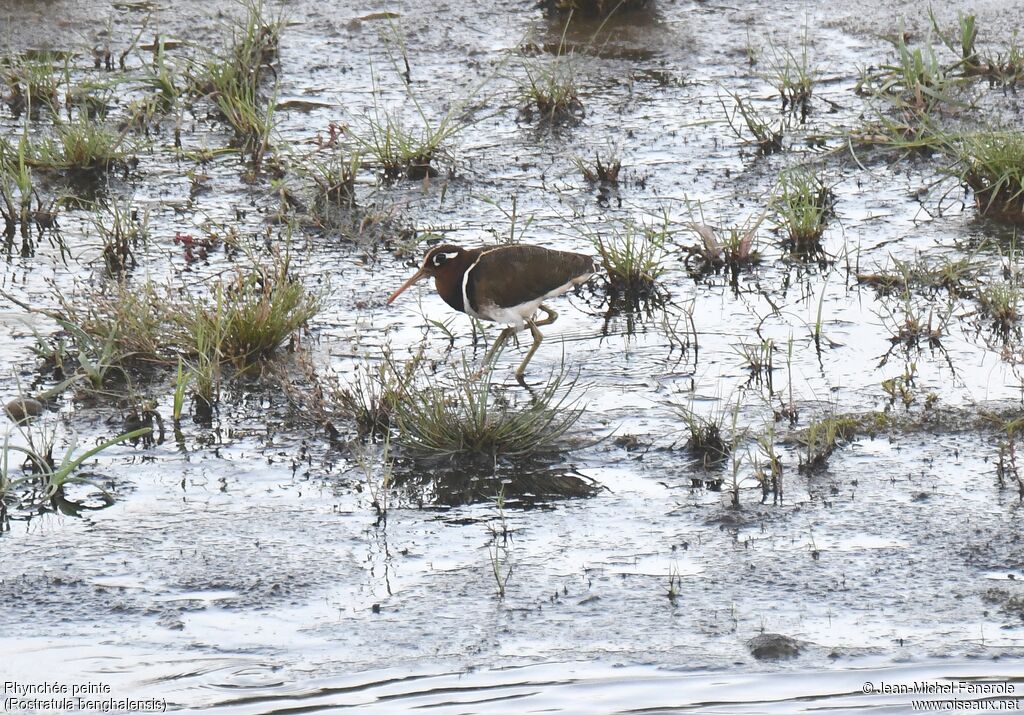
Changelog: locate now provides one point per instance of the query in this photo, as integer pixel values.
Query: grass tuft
(991, 164)
(122, 228)
(404, 151)
(47, 478)
(821, 438)
(956, 276)
(600, 172)
(114, 324)
(633, 255)
(1006, 68)
(805, 204)
(81, 145)
(232, 78)
(792, 76)
(549, 91)
(120, 327)
(707, 439)
(32, 83)
(375, 393)
(910, 324)
(472, 418)
(963, 43)
(1000, 303)
(17, 191)
(916, 82)
(767, 136)
(733, 249)
(254, 314)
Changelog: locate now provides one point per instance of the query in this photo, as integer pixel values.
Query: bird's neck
(448, 279)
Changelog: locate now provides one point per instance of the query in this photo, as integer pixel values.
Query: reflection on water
(522, 484)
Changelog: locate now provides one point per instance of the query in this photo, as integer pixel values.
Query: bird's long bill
(415, 277)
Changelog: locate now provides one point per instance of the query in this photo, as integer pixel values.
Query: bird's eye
(439, 259)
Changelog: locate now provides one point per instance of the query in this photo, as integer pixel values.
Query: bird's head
(443, 262)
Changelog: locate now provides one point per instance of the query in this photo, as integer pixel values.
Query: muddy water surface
(242, 567)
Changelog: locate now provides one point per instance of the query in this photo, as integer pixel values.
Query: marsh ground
(243, 564)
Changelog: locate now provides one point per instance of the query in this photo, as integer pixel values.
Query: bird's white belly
(517, 315)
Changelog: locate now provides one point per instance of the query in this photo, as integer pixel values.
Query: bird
(503, 284)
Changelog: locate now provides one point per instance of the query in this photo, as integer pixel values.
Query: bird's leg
(552, 316)
(537, 338)
(502, 337)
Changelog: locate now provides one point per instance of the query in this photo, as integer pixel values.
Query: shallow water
(242, 567)
(252, 684)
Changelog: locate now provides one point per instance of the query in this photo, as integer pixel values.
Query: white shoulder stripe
(465, 285)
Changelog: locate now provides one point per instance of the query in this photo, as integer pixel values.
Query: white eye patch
(440, 258)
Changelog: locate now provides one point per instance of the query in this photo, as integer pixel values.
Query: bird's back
(509, 276)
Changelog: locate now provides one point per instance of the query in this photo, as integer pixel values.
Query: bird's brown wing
(512, 275)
